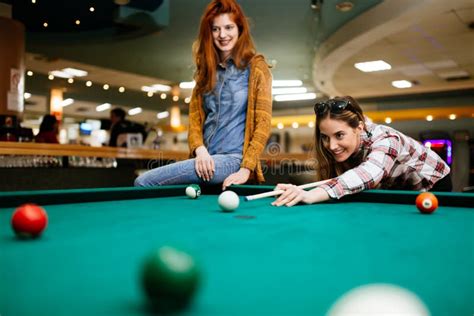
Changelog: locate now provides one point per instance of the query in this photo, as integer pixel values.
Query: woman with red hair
(231, 104)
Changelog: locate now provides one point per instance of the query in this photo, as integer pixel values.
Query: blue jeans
(183, 172)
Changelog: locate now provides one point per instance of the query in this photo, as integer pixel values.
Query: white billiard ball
(193, 191)
(379, 299)
(228, 201)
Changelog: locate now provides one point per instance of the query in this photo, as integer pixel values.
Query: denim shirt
(226, 109)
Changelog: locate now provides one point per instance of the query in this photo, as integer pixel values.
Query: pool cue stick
(278, 192)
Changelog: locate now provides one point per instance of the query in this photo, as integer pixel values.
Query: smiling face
(225, 34)
(339, 138)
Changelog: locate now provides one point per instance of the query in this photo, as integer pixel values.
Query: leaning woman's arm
(263, 115)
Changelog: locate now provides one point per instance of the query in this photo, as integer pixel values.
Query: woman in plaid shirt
(357, 155)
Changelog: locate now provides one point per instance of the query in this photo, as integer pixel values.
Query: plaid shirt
(389, 159)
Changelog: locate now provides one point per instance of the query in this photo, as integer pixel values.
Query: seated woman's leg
(183, 172)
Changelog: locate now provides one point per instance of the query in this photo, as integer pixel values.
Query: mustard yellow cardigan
(258, 121)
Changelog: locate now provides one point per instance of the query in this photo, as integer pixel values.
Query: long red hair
(206, 55)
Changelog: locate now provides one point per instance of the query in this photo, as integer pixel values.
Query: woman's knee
(139, 181)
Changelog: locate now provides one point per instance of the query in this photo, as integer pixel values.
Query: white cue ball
(380, 300)
(228, 201)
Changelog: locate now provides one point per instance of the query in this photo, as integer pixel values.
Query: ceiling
(430, 43)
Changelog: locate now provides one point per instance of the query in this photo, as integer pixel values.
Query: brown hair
(205, 54)
(326, 166)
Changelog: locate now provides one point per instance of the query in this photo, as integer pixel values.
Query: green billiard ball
(170, 279)
(193, 191)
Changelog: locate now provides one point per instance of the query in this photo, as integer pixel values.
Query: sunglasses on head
(334, 106)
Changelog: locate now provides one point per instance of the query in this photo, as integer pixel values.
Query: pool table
(258, 260)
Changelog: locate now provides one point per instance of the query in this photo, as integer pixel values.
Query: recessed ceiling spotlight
(452, 117)
(92, 9)
(149, 94)
(78, 22)
(163, 96)
(374, 65)
(45, 24)
(70, 80)
(51, 77)
(33, 1)
(89, 83)
(345, 6)
(402, 84)
(29, 73)
(388, 120)
(280, 126)
(429, 118)
(106, 87)
(122, 89)
(175, 98)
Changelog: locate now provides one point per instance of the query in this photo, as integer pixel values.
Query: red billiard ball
(426, 202)
(29, 220)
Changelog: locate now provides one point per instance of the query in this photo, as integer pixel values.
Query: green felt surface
(259, 260)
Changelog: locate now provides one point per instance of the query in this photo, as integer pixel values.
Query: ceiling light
(29, 73)
(429, 118)
(175, 98)
(187, 100)
(91, 9)
(51, 77)
(75, 72)
(121, 89)
(163, 96)
(67, 102)
(26, 95)
(70, 80)
(78, 22)
(162, 115)
(287, 83)
(402, 84)
(187, 84)
(45, 24)
(33, 1)
(89, 83)
(295, 125)
(156, 87)
(135, 111)
(149, 94)
(280, 125)
(60, 74)
(289, 90)
(452, 117)
(388, 120)
(106, 87)
(370, 66)
(295, 97)
(311, 124)
(103, 107)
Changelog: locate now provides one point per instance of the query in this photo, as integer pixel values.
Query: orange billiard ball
(426, 202)
(29, 220)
